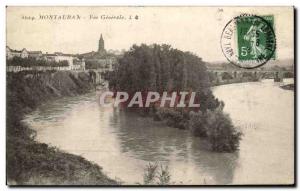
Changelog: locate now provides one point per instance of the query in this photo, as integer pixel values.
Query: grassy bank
(33, 163)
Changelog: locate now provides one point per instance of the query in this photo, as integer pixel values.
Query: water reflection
(188, 157)
(124, 143)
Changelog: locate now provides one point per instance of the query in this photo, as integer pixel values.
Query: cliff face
(30, 162)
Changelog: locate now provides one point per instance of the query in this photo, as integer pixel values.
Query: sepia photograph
(150, 96)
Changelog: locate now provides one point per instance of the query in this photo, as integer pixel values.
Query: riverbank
(33, 163)
(288, 87)
(134, 141)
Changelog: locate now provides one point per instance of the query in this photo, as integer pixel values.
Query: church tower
(101, 45)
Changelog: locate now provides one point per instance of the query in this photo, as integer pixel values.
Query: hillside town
(19, 60)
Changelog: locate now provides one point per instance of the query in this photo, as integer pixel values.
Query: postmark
(249, 41)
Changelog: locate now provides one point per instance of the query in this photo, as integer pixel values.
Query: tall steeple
(101, 45)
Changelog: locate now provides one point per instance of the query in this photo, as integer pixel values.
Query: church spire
(101, 44)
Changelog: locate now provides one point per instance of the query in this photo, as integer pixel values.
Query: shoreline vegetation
(30, 162)
(163, 68)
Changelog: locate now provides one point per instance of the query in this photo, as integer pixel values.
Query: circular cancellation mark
(248, 41)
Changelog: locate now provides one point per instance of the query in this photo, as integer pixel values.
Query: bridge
(219, 75)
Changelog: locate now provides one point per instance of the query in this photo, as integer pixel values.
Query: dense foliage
(162, 68)
(217, 127)
(31, 62)
(154, 175)
(159, 68)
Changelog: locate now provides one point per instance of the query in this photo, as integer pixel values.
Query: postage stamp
(249, 41)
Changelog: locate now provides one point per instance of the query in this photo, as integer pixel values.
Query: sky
(194, 29)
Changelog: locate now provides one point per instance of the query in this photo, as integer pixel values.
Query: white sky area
(195, 29)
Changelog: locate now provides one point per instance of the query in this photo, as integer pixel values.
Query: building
(10, 53)
(101, 49)
(35, 54)
(101, 59)
(78, 64)
(74, 63)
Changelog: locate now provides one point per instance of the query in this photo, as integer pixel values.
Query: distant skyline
(194, 29)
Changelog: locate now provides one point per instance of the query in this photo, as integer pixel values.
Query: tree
(162, 68)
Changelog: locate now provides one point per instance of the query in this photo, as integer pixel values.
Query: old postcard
(150, 95)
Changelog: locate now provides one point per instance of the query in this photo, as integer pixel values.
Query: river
(124, 143)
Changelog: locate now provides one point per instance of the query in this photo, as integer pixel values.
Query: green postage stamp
(248, 41)
(252, 41)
